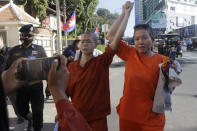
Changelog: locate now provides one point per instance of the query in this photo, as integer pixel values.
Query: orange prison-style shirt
(88, 86)
(141, 76)
(133, 126)
(69, 119)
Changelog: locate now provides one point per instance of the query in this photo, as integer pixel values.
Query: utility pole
(105, 30)
(76, 19)
(59, 30)
(65, 33)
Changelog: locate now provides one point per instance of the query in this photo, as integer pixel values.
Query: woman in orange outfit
(141, 76)
(88, 85)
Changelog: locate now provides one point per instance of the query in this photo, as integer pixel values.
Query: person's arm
(9, 78)
(107, 57)
(68, 117)
(121, 28)
(113, 29)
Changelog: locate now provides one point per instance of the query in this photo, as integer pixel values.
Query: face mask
(26, 41)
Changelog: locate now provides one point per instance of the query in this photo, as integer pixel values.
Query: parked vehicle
(171, 46)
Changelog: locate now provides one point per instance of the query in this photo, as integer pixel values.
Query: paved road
(182, 118)
(184, 114)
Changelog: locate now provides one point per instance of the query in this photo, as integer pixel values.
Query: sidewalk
(49, 114)
(117, 61)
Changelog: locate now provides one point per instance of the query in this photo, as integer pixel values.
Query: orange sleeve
(68, 117)
(124, 50)
(107, 57)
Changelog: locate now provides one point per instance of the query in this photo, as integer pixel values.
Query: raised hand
(58, 79)
(9, 77)
(127, 7)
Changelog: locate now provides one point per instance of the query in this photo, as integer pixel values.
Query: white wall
(13, 35)
(183, 10)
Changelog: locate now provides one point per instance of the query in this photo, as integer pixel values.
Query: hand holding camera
(58, 78)
(9, 77)
(23, 70)
(36, 69)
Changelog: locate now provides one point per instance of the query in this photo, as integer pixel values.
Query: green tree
(103, 12)
(105, 17)
(36, 8)
(84, 10)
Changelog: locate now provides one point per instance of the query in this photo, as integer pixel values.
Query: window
(48, 43)
(36, 42)
(44, 43)
(172, 8)
(39, 42)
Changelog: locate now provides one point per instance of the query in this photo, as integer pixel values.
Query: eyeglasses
(27, 35)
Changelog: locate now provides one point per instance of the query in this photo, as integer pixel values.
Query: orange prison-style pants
(132, 126)
(98, 125)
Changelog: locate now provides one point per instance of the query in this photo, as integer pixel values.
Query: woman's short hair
(144, 27)
(92, 35)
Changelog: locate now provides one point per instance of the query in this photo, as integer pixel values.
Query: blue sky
(115, 6)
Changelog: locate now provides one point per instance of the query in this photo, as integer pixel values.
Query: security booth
(12, 18)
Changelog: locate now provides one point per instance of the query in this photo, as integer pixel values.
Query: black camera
(36, 69)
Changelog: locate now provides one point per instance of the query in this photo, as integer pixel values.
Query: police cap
(27, 28)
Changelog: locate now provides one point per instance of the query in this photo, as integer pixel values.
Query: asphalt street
(184, 100)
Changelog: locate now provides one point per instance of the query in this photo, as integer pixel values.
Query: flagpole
(59, 31)
(75, 19)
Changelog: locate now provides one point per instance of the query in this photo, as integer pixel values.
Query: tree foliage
(84, 10)
(87, 16)
(36, 8)
(105, 17)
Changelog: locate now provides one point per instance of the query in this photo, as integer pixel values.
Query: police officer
(33, 91)
(3, 59)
